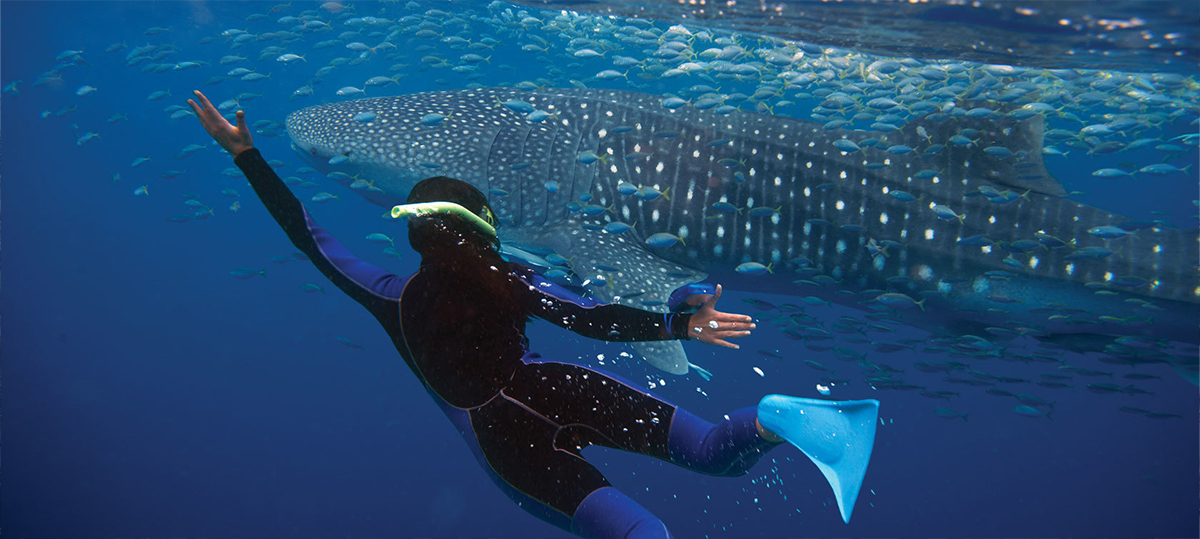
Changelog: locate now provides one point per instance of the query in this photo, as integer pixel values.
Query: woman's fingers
(208, 106)
(205, 120)
(210, 114)
(200, 104)
(732, 317)
(726, 344)
(718, 337)
(731, 333)
(203, 110)
(734, 326)
(725, 319)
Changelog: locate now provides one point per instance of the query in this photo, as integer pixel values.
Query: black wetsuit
(525, 418)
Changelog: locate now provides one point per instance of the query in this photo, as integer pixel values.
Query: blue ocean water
(149, 393)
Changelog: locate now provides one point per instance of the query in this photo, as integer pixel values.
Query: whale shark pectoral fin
(642, 280)
(616, 269)
(666, 356)
(837, 436)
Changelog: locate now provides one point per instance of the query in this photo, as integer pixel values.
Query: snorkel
(422, 209)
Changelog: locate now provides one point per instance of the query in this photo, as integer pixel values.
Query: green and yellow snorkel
(422, 209)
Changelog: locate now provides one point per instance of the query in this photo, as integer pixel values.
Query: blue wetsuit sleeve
(607, 322)
(370, 285)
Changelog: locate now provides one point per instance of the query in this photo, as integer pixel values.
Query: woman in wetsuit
(459, 323)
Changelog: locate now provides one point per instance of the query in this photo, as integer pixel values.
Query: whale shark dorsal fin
(617, 270)
(1023, 171)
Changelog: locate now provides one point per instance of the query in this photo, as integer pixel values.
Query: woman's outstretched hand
(710, 326)
(235, 140)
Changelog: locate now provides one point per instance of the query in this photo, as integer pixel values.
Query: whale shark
(952, 224)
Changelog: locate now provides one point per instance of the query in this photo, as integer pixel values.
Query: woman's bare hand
(235, 140)
(710, 326)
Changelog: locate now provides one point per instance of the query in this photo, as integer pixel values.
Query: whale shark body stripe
(831, 204)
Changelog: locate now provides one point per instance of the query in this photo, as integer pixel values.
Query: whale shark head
(312, 133)
(352, 137)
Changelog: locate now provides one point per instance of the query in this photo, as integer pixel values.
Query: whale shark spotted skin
(980, 231)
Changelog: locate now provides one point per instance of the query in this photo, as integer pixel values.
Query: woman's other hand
(710, 326)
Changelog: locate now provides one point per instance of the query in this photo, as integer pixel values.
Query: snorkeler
(459, 323)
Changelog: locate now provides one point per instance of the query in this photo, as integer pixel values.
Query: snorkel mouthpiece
(422, 209)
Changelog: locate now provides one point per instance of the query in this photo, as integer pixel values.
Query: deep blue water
(148, 393)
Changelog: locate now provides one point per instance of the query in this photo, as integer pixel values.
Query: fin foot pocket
(837, 436)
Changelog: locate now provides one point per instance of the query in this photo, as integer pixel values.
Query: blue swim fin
(836, 435)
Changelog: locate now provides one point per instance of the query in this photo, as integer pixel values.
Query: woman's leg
(608, 512)
(530, 437)
(595, 408)
(728, 448)
(517, 448)
(590, 407)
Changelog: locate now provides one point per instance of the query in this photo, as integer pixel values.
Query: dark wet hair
(435, 234)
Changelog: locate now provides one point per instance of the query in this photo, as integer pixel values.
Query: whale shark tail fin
(836, 435)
